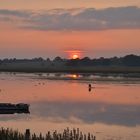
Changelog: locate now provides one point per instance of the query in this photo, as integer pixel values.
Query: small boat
(8, 108)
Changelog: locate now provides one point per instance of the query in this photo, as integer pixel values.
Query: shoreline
(107, 70)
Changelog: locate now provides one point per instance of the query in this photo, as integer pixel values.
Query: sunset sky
(49, 28)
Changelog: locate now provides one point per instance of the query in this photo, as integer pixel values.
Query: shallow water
(111, 110)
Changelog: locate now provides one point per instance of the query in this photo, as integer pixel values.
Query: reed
(66, 134)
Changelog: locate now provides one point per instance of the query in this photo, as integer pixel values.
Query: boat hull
(7, 108)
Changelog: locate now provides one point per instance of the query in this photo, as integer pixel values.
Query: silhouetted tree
(131, 60)
(58, 59)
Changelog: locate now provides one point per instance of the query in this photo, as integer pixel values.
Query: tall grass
(66, 134)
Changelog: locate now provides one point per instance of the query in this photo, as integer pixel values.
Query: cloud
(75, 19)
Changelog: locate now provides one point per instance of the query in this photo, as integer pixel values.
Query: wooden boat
(8, 108)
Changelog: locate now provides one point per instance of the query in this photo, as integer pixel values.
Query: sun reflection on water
(73, 76)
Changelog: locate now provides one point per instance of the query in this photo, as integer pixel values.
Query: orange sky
(28, 43)
(51, 4)
(16, 41)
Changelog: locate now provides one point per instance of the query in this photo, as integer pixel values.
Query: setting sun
(75, 56)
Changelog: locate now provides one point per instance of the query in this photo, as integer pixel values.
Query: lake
(111, 110)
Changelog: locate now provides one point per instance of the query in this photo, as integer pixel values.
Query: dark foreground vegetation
(67, 134)
(126, 64)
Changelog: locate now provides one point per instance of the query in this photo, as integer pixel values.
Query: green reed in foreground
(67, 134)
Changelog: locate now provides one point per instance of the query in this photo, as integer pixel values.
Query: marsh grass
(66, 134)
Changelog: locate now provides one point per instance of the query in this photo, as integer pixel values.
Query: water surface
(111, 110)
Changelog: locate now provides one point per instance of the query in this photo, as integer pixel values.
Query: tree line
(128, 60)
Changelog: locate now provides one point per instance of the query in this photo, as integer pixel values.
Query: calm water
(111, 110)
